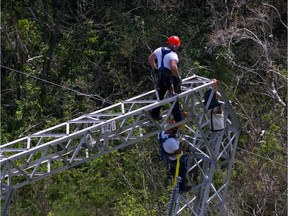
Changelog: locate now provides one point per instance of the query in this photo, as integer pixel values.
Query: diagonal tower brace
(90, 136)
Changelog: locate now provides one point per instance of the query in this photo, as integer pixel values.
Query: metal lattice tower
(211, 154)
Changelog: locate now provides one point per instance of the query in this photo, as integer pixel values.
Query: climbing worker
(171, 146)
(169, 78)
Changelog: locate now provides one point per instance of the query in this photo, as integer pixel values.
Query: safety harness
(164, 52)
(170, 165)
(161, 69)
(163, 153)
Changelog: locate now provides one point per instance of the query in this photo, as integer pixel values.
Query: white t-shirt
(170, 145)
(170, 56)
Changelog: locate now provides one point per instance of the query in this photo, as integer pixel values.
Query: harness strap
(161, 69)
(164, 52)
(216, 88)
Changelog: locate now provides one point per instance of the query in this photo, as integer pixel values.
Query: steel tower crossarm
(92, 135)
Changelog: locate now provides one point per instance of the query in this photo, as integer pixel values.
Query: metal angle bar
(78, 162)
(39, 162)
(137, 113)
(34, 163)
(208, 179)
(229, 170)
(124, 120)
(48, 135)
(13, 149)
(168, 114)
(60, 155)
(195, 165)
(5, 169)
(140, 101)
(228, 105)
(49, 129)
(20, 170)
(229, 143)
(210, 175)
(44, 146)
(105, 115)
(201, 155)
(133, 127)
(89, 121)
(8, 199)
(14, 142)
(30, 157)
(84, 117)
(78, 148)
(69, 141)
(200, 185)
(151, 106)
(210, 151)
(217, 193)
(187, 204)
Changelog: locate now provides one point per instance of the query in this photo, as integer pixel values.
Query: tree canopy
(61, 59)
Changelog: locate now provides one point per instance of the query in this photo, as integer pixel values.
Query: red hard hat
(174, 41)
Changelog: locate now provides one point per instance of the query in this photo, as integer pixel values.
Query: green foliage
(101, 49)
(129, 206)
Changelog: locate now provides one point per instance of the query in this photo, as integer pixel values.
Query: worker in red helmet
(169, 78)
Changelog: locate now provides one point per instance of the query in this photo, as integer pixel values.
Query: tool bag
(217, 119)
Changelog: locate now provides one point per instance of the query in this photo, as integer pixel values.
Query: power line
(64, 87)
(264, 157)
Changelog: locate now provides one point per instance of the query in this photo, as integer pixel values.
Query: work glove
(156, 71)
(171, 94)
(180, 80)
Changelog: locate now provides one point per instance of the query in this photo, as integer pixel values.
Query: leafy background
(61, 59)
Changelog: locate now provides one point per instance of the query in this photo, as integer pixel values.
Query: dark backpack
(214, 101)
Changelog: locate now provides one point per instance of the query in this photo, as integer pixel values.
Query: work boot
(171, 94)
(185, 189)
(155, 117)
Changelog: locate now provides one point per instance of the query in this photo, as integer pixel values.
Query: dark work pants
(182, 171)
(164, 84)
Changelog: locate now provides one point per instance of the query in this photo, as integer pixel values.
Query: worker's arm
(179, 150)
(151, 61)
(174, 68)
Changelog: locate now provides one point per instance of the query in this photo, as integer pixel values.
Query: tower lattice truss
(210, 153)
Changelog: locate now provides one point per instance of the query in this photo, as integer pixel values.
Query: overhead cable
(95, 97)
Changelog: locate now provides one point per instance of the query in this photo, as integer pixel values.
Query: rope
(55, 84)
(173, 198)
(216, 88)
(179, 155)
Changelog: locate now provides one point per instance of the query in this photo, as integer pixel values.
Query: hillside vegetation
(61, 59)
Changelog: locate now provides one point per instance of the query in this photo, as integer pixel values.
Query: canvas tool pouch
(217, 119)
